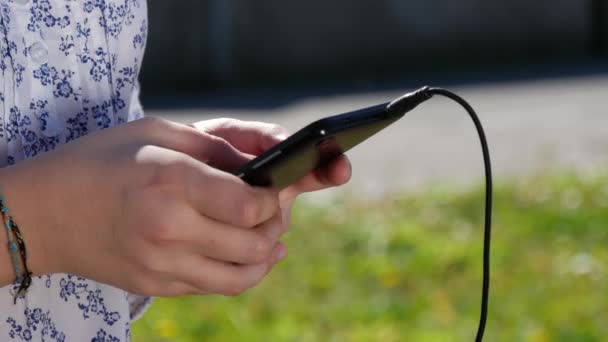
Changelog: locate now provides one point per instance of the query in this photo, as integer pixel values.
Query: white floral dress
(68, 68)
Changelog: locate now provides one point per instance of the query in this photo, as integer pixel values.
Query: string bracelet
(17, 250)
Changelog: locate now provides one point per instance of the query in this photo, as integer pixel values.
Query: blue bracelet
(16, 248)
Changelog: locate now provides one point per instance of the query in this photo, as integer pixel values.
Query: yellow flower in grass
(166, 328)
(443, 308)
(538, 335)
(390, 279)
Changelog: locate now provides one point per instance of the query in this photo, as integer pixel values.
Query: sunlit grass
(408, 268)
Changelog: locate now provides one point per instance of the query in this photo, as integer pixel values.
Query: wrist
(26, 202)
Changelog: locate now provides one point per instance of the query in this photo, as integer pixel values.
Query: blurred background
(396, 254)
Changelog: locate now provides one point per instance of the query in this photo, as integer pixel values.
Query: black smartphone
(315, 145)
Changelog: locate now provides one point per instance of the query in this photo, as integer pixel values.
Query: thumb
(212, 150)
(220, 154)
(251, 137)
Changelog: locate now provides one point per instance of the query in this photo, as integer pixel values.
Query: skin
(152, 207)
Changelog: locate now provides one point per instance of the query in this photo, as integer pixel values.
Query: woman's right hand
(144, 207)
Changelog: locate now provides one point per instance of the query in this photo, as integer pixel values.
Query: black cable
(485, 290)
(408, 102)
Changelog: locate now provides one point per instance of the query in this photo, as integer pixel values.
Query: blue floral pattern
(102, 336)
(67, 68)
(36, 322)
(93, 303)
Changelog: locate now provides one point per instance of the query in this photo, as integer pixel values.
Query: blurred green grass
(408, 268)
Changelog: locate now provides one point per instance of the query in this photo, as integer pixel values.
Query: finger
(335, 173)
(216, 152)
(207, 148)
(226, 198)
(228, 279)
(251, 137)
(215, 193)
(227, 243)
(273, 229)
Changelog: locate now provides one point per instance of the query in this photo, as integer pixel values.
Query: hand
(144, 207)
(253, 138)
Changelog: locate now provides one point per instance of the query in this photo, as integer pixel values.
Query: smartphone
(315, 145)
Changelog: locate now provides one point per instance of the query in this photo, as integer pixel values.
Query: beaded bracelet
(16, 247)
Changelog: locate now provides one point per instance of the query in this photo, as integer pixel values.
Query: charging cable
(408, 102)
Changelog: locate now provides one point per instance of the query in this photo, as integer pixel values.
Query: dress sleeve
(138, 305)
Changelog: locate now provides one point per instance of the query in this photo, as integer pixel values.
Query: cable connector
(409, 101)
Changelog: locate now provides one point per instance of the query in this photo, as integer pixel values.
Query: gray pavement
(532, 126)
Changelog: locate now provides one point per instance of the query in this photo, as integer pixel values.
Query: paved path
(532, 126)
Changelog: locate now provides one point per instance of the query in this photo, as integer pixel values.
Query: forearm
(22, 197)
